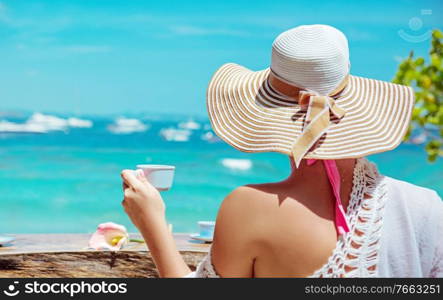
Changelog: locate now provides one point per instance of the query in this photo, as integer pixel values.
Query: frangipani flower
(109, 236)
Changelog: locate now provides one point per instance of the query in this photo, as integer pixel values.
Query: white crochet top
(396, 230)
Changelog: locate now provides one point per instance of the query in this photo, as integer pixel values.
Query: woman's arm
(146, 209)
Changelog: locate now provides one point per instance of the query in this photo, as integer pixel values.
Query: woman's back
(292, 239)
(282, 229)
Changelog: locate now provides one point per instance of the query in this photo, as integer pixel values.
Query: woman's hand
(142, 201)
(146, 208)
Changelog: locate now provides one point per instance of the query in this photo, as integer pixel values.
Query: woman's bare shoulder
(250, 202)
(261, 189)
(237, 233)
(239, 230)
(254, 194)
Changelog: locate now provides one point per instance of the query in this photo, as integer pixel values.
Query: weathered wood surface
(67, 255)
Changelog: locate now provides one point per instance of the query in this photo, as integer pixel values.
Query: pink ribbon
(341, 223)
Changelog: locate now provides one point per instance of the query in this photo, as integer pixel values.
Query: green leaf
(435, 60)
(437, 34)
(425, 76)
(419, 61)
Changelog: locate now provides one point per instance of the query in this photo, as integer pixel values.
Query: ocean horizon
(66, 179)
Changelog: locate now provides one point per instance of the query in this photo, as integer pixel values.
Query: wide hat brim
(248, 114)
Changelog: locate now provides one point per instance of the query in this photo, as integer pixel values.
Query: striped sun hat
(307, 104)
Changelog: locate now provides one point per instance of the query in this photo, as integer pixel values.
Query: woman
(335, 215)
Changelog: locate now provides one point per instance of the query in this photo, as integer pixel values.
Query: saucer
(6, 240)
(196, 236)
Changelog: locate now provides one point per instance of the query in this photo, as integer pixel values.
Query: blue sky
(117, 57)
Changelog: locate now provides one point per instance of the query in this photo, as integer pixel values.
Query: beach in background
(67, 179)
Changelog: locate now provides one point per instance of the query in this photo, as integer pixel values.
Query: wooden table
(67, 255)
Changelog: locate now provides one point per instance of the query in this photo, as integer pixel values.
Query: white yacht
(175, 135)
(127, 126)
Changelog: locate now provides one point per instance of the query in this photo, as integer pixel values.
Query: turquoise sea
(69, 181)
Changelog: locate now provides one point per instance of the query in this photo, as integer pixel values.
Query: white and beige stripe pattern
(246, 112)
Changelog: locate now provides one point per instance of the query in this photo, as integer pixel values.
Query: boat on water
(175, 135)
(127, 126)
(16, 128)
(79, 123)
(237, 164)
(50, 123)
(419, 139)
(210, 137)
(42, 123)
(189, 125)
(53, 123)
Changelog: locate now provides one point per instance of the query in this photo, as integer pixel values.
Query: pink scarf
(341, 223)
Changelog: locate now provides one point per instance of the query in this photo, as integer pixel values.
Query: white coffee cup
(160, 176)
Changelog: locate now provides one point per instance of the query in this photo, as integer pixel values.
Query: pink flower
(109, 236)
